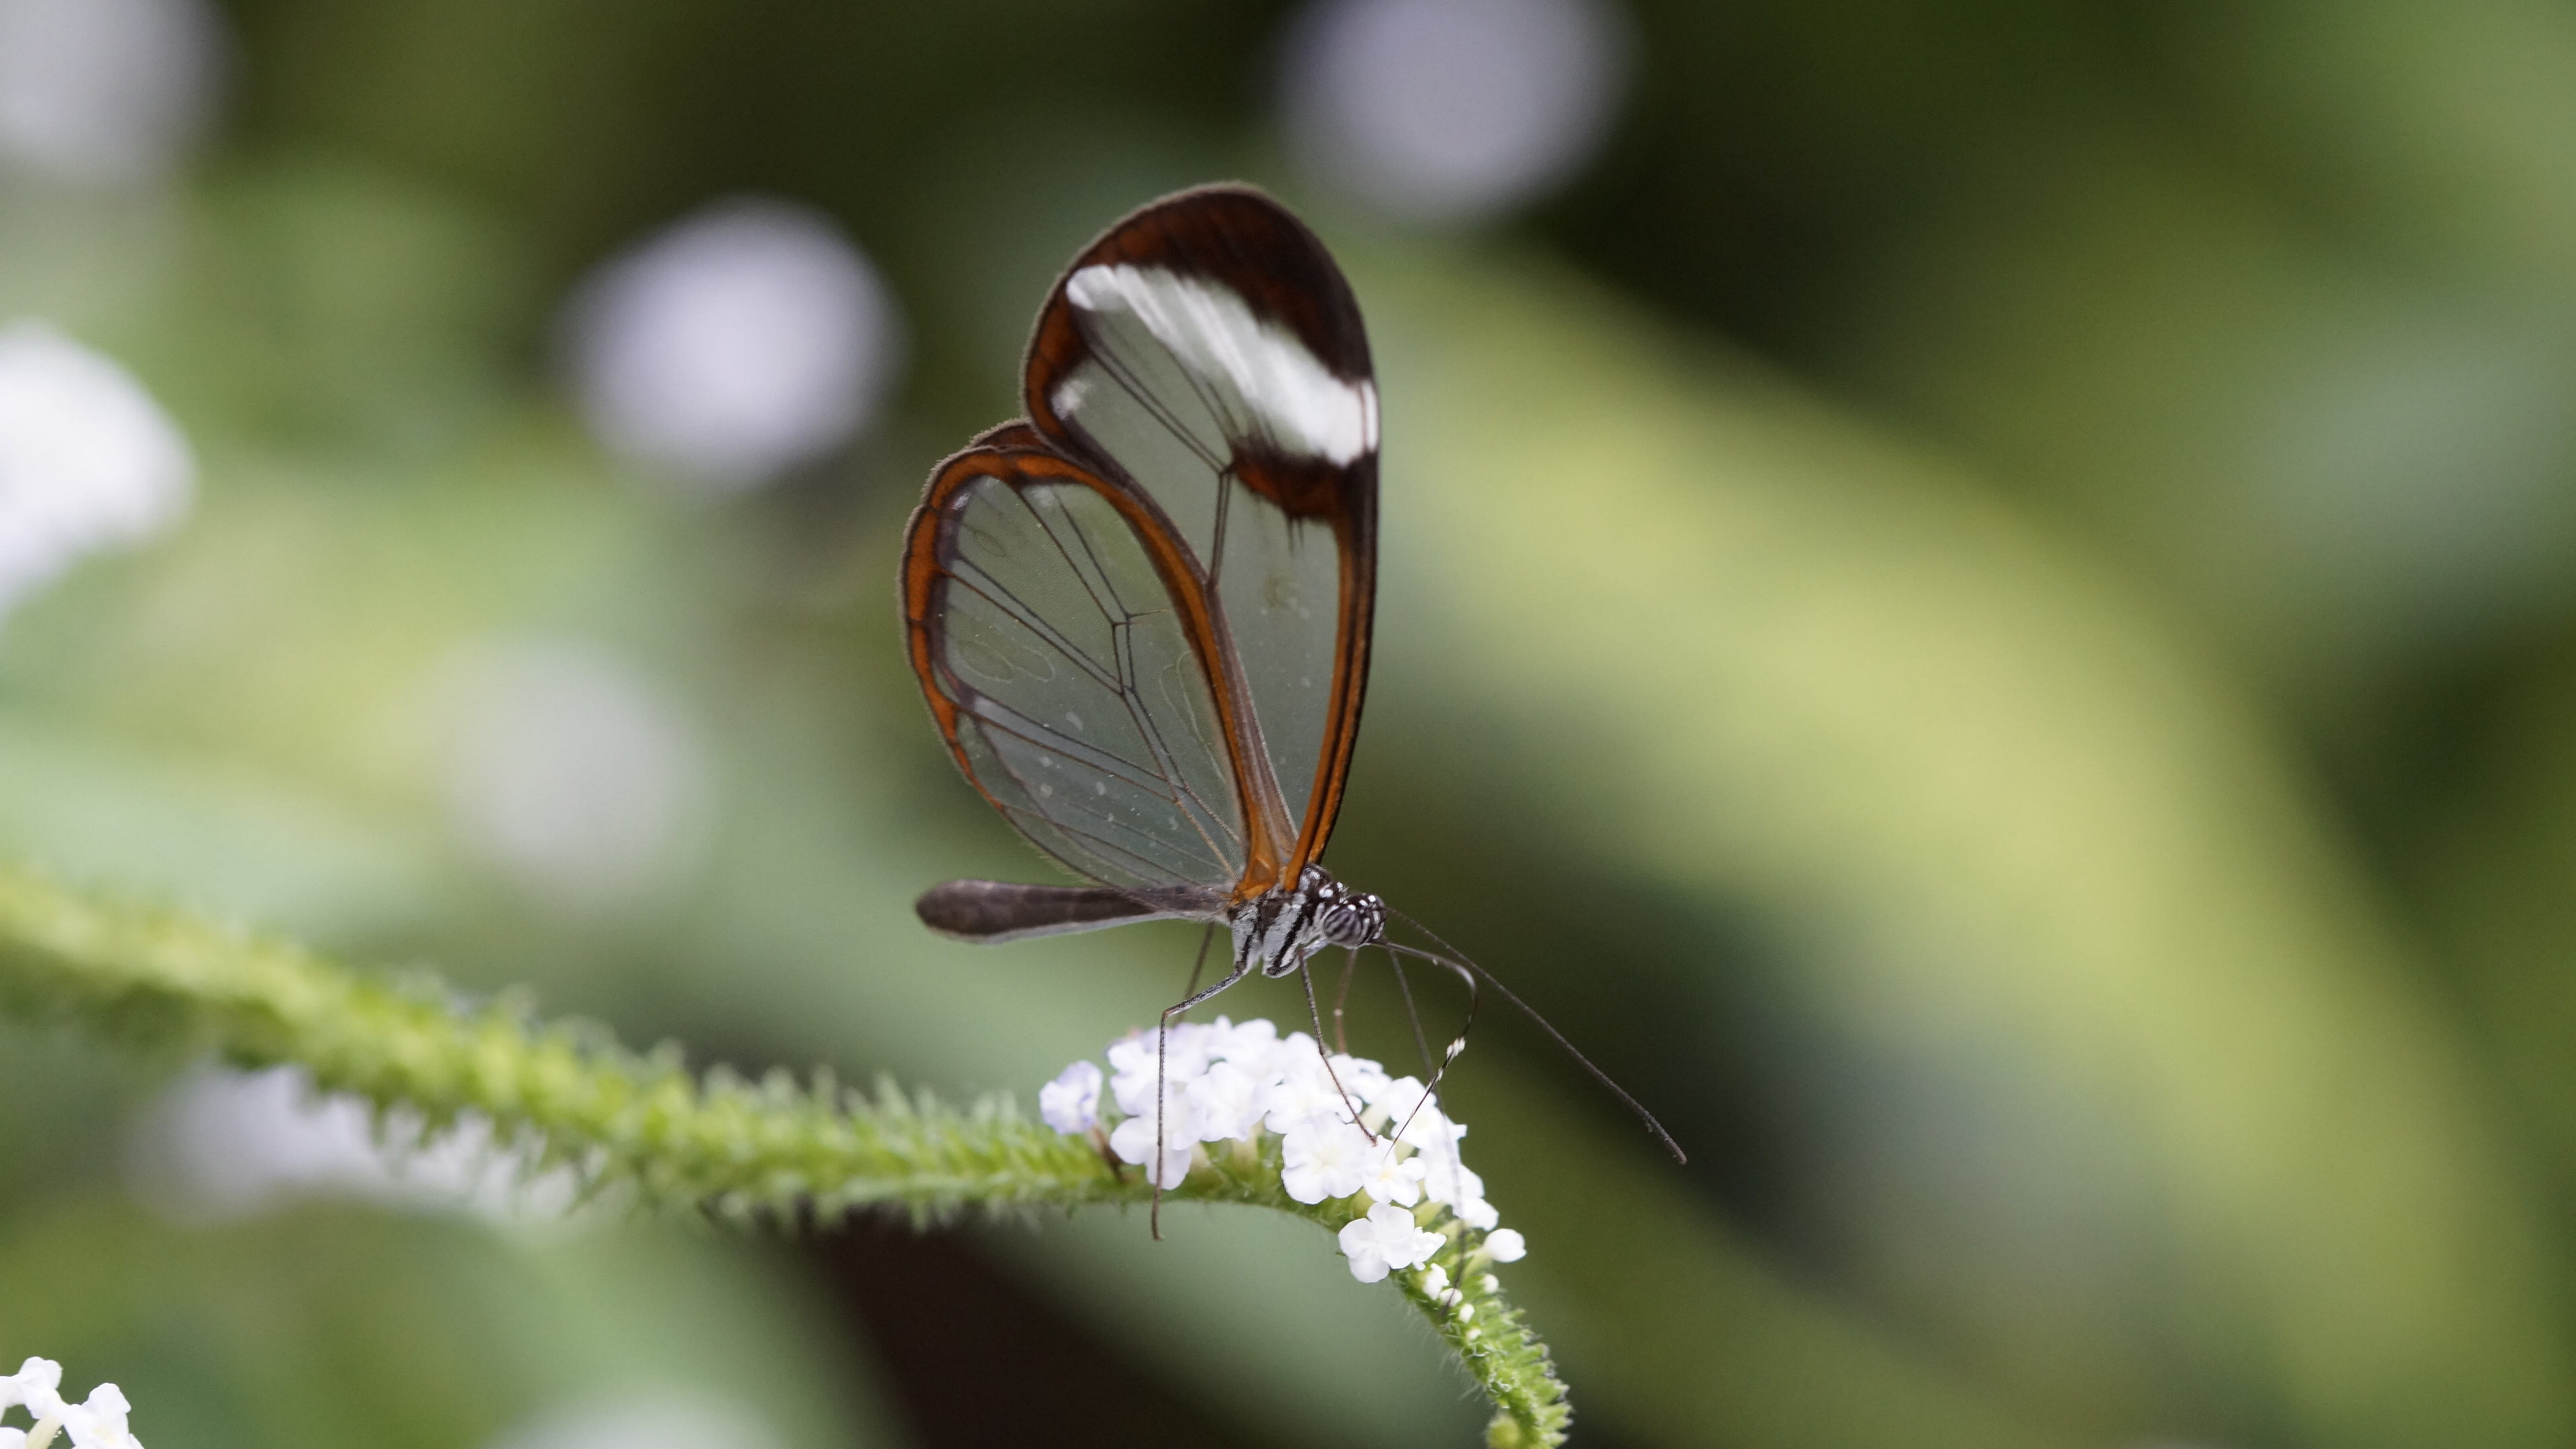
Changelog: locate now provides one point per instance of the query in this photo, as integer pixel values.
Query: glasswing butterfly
(1141, 615)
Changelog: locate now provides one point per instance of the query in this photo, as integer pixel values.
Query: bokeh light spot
(737, 344)
(1451, 110)
(105, 91)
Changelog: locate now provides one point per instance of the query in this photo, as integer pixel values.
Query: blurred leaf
(2018, 837)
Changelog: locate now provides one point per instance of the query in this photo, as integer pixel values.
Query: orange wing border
(1016, 456)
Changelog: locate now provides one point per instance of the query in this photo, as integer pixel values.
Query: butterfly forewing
(1061, 666)
(1208, 353)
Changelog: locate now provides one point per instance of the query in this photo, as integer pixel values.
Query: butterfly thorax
(1278, 930)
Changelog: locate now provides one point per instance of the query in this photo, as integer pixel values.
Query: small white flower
(1392, 1178)
(1445, 1178)
(1386, 1094)
(1476, 1213)
(1131, 1071)
(1136, 1060)
(1505, 1245)
(1133, 1141)
(100, 1423)
(1408, 1109)
(1253, 1046)
(1385, 1240)
(1071, 1103)
(1305, 1088)
(36, 1384)
(1228, 1102)
(1364, 1079)
(1434, 1280)
(1432, 1130)
(1323, 1158)
(1490, 1283)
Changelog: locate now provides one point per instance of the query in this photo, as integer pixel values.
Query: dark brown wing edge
(1229, 231)
(1003, 456)
(1240, 236)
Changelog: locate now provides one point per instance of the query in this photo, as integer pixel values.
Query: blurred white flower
(661, 1419)
(1385, 1240)
(1505, 1245)
(223, 1145)
(572, 773)
(87, 459)
(1450, 110)
(735, 345)
(1071, 1103)
(105, 91)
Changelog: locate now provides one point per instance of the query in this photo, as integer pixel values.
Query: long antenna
(1457, 960)
(1439, 1070)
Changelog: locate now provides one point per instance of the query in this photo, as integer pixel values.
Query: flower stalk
(641, 1128)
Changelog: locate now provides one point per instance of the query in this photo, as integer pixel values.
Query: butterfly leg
(1162, 1055)
(1207, 938)
(1307, 976)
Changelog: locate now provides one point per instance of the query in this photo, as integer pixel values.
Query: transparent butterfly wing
(1057, 652)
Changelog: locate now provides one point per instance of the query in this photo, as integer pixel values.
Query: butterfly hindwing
(1063, 659)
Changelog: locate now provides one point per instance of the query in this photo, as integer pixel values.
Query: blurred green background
(1980, 600)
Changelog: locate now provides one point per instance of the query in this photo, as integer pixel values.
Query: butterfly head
(1342, 916)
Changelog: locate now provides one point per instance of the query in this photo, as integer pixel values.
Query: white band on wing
(1211, 332)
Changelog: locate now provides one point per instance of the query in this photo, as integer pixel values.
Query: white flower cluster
(97, 1424)
(1225, 1082)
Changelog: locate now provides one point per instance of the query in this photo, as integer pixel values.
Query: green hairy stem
(638, 1126)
